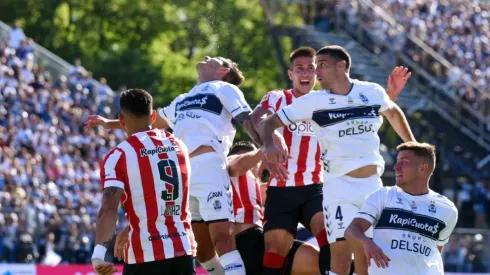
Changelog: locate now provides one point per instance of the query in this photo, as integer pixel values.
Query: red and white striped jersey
(153, 169)
(247, 201)
(304, 165)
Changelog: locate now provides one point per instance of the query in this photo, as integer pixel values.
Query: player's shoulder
(442, 200)
(223, 86)
(368, 87)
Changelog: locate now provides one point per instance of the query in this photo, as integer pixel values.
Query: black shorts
(287, 206)
(184, 265)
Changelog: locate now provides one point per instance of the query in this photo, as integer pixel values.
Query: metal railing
(389, 44)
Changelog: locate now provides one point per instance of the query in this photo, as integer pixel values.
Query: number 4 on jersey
(168, 173)
(338, 214)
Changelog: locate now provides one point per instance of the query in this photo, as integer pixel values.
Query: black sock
(250, 244)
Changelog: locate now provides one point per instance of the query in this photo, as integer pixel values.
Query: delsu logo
(303, 128)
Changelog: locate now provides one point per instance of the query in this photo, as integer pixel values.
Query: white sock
(213, 266)
(232, 263)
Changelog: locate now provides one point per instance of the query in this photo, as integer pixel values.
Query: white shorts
(210, 190)
(342, 199)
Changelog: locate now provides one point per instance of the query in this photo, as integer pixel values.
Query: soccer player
(202, 119)
(345, 116)
(149, 174)
(411, 222)
(299, 197)
(244, 160)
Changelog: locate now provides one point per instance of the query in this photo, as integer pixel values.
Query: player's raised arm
(394, 114)
(240, 164)
(299, 110)
(397, 81)
(95, 120)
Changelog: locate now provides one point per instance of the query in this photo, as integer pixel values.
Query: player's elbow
(235, 170)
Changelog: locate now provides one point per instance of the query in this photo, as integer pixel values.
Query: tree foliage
(154, 44)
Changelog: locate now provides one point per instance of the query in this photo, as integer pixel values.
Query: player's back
(156, 184)
(203, 116)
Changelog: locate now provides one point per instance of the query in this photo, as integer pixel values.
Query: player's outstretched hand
(273, 154)
(280, 142)
(397, 80)
(95, 120)
(120, 244)
(277, 170)
(372, 251)
(102, 267)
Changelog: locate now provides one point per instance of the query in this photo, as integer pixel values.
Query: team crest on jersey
(217, 205)
(364, 99)
(432, 207)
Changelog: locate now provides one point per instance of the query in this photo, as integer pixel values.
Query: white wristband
(99, 252)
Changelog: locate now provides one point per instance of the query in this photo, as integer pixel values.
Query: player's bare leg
(341, 257)
(317, 227)
(277, 245)
(224, 243)
(306, 260)
(206, 255)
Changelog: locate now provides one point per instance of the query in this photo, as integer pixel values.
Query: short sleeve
(233, 99)
(113, 172)
(301, 109)
(271, 101)
(446, 232)
(385, 102)
(373, 205)
(168, 113)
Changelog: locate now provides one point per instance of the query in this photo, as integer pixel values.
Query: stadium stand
(49, 164)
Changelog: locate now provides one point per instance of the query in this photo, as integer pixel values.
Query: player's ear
(224, 71)
(153, 116)
(341, 64)
(290, 74)
(121, 119)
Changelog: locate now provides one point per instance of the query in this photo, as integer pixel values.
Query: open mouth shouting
(304, 82)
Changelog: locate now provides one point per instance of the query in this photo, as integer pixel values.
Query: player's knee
(341, 257)
(278, 241)
(221, 236)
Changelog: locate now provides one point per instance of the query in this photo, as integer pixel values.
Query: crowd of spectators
(49, 165)
(456, 30)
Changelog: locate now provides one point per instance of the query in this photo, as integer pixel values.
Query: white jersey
(346, 125)
(204, 115)
(409, 229)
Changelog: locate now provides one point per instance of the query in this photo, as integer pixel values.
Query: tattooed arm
(107, 218)
(245, 119)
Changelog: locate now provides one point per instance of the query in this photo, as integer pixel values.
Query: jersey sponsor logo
(303, 128)
(157, 150)
(357, 130)
(166, 236)
(411, 246)
(326, 118)
(213, 195)
(206, 102)
(400, 219)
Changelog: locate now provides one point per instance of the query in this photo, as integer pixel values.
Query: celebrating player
(345, 117)
(411, 222)
(149, 174)
(297, 198)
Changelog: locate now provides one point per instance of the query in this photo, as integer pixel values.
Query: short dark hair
(235, 76)
(239, 146)
(137, 102)
(301, 52)
(338, 53)
(423, 150)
